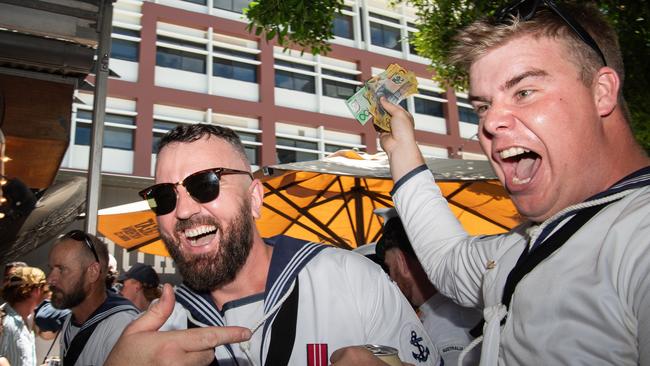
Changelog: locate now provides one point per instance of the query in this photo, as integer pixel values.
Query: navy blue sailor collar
(113, 304)
(637, 179)
(290, 255)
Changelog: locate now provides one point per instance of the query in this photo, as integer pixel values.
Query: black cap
(394, 236)
(143, 273)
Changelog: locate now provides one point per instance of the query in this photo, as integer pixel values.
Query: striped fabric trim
(200, 306)
(295, 264)
(638, 179)
(95, 319)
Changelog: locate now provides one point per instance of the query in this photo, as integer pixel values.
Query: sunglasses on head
(203, 187)
(81, 236)
(526, 10)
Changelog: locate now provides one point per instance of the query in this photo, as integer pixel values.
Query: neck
(422, 292)
(251, 278)
(422, 288)
(141, 302)
(623, 154)
(94, 300)
(24, 309)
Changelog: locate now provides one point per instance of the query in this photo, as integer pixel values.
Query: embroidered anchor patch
(423, 352)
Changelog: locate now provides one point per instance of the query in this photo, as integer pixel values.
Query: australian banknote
(395, 84)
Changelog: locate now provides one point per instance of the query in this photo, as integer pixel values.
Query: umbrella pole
(358, 208)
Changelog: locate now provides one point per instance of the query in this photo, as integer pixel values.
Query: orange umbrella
(332, 201)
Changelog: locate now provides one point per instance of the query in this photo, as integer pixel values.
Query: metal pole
(99, 113)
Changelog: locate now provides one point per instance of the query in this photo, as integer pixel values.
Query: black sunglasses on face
(526, 10)
(203, 186)
(81, 236)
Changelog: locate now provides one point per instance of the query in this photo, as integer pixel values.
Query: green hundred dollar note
(359, 106)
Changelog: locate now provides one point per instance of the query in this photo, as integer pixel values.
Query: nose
(186, 206)
(497, 119)
(52, 278)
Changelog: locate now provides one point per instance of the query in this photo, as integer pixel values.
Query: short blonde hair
(485, 34)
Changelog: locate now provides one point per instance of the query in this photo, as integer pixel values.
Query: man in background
(448, 324)
(78, 267)
(140, 285)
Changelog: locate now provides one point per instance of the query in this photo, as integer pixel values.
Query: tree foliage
(310, 22)
(306, 24)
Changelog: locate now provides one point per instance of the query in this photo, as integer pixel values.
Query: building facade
(193, 61)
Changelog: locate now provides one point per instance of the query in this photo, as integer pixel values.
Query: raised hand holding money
(395, 84)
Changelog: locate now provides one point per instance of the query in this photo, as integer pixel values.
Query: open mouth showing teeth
(521, 162)
(200, 235)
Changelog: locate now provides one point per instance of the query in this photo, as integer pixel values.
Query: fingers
(156, 315)
(199, 339)
(354, 355)
(395, 110)
(197, 358)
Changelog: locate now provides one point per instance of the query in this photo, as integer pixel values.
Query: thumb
(156, 315)
(388, 106)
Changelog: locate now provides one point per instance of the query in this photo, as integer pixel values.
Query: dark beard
(208, 271)
(61, 300)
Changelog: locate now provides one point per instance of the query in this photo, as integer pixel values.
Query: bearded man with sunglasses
(78, 265)
(301, 300)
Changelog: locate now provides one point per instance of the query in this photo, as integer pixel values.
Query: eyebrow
(510, 83)
(518, 78)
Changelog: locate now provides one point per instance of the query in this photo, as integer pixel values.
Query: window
(181, 60)
(412, 48)
(252, 151)
(337, 88)
(114, 136)
(124, 50)
(466, 112)
(425, 104)
(181, 42)
(232, 69)
(199, 2)
(385, 36)
(334, 148)
(236, 6)
(124, 44)
(160, 128)
(342, 26)
(290, 155)
(294, 80)
(126, 32)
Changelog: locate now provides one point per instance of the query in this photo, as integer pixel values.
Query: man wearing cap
(140, 285)
(447, 324)
(78, 267)
(25, 288)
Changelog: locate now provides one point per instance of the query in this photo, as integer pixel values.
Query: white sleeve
(388, 317)
(633, 281)
(454, 261)
(108, 332)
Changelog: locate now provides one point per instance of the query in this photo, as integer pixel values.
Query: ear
(606, 88)
(402, 264)
(94, 272)
(256, 192)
